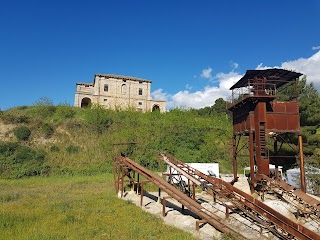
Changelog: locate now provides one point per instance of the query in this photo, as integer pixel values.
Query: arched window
(86, 102)
(124, 89)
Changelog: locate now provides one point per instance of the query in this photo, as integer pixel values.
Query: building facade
(118, 92)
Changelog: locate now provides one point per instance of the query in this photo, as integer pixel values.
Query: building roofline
(121, 77)
(84, 83)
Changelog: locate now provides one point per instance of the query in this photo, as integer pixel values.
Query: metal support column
(251, 149)
(234, 148)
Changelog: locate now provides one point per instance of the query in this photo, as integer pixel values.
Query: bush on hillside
(64, 112)
(22, 133)
(47, 130)
(11, 117)
(97, 118)
(44, 107)
(18, 161)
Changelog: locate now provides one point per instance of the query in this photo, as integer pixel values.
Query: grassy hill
(62, 140)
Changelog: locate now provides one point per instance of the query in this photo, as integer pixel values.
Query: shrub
(54, 148)
(65, 111)
(12, 117)
(22, 133)
(44, 107)
(18, 161)
(47, 130)
(72, 149)
(97, 118)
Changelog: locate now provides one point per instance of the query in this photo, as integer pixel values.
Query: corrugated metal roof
(275, 76)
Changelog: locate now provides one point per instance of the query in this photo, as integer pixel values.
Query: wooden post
(138, 183)
(122, 181)
(194, 191)
(141, 193)
(163, 207)
(302, 172)
(227, 211)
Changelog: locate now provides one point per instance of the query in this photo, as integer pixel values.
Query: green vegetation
(83, 207)
(75, 141)
(22, 133)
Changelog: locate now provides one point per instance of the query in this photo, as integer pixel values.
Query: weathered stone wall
(118, 92)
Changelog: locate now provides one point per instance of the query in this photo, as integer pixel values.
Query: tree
(218, 108)
(309, 106)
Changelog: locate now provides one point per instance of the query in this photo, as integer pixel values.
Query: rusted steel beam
(192, 205)
(251, 150)
(257, 206)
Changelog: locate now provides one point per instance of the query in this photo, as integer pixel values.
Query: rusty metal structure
(233, 199)
(124, 167)
(264, 106)
(265, 110)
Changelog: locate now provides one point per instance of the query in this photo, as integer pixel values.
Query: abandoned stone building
(118, 92)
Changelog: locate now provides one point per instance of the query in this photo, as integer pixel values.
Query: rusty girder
(275, 222)
(123, 164)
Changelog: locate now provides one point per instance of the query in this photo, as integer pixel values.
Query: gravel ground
(186, 220)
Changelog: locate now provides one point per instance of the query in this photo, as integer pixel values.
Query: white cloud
(316, 48)
(206, 73)
(207, 97)
(307, 66)
(159, 95)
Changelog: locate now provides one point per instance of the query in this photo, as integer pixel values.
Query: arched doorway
(156, 108)
(85, 102)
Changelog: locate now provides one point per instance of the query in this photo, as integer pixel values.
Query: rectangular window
(140, 91)
(140, 103)
(106, 88)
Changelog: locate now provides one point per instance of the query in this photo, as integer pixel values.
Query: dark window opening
(156, 108)
(140, 103)
(140, 91)
(106, 88)
(86, 102)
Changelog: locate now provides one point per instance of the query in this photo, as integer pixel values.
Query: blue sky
(192, 50)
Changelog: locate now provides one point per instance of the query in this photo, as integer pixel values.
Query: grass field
(83, 207)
